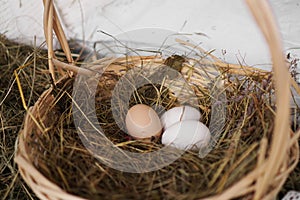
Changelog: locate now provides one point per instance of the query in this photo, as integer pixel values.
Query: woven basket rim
(44, 188)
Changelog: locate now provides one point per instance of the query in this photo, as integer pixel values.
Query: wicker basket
(273, 167)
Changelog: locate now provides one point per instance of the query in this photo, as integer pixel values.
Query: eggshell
(143, 122)
(178, 114)
(187, 135)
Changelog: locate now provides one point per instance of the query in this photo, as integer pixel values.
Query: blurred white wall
(227, 23)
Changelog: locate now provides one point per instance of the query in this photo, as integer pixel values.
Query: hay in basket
(251, 159)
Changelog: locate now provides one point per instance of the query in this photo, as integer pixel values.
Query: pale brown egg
(142, 122)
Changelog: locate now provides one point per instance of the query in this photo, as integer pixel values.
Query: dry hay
(65, 161)
(34, 79)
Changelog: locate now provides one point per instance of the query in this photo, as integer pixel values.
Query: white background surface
(227, 23)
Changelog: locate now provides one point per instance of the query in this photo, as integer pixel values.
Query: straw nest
(251, 160)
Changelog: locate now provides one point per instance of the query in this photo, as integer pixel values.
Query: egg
(187, 135)
(143, 122)
(178, 114)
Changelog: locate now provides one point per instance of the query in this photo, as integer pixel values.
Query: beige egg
(142, 122)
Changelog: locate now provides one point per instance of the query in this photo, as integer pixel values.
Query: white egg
(178, 114)
(187, 135)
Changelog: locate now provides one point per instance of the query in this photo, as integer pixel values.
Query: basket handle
(264, 17)
(52, 22)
